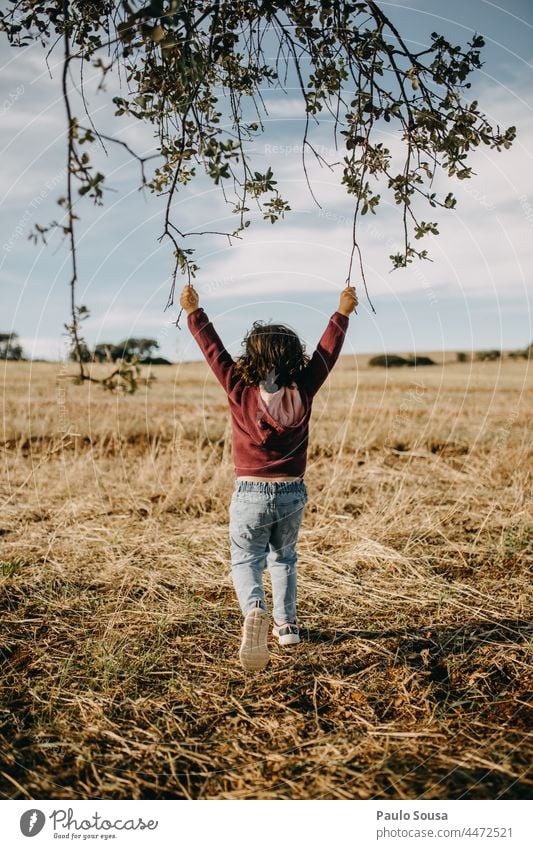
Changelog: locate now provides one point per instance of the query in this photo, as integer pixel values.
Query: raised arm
(219, 360)
(331, 342)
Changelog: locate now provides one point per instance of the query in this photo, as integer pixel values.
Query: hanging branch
(74, 312)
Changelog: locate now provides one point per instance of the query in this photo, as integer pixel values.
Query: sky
(476, 293)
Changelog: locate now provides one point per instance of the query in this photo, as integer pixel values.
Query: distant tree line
(525, 353)
(10, 349)
(388, 360)
(139, 349)
(395, 360)
(134, 349)
(495, 354)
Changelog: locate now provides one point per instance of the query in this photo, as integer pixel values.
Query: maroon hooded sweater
(261, 445)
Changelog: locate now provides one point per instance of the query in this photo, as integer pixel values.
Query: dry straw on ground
(119, 626)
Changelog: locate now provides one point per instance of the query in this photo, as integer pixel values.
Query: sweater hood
(262, 424)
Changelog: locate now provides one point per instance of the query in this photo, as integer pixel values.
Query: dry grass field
(119, 628)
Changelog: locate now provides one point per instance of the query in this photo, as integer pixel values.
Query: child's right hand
(189, 299)
(348, 300)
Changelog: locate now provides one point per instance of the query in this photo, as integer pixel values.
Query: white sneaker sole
(253, 653)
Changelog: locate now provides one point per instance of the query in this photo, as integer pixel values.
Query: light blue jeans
(265, 518)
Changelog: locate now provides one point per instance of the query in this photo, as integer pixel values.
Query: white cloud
(284, 107)
(306, 259)
(129, 320)
(44, 347)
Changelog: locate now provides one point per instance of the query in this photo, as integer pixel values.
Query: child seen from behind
(270, 390)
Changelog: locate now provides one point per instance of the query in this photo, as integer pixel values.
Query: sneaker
(287, 634)
(253, 653)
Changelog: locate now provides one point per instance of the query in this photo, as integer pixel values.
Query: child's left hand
(189, 299)
(348, 300)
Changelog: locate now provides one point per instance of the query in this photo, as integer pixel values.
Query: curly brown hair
(274, 356)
